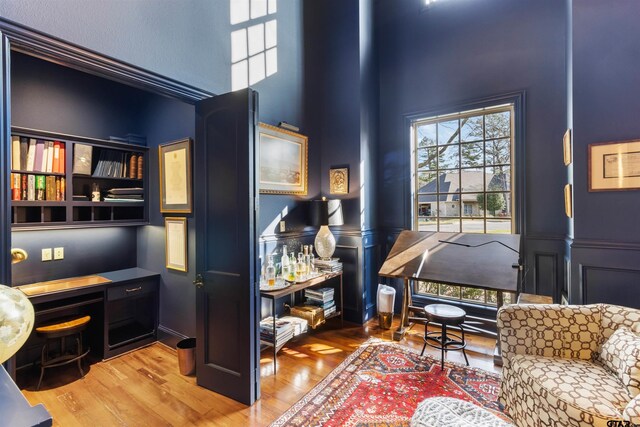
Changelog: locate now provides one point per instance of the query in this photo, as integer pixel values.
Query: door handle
(199, 282)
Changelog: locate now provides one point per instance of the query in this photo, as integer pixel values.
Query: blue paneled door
(226, 190)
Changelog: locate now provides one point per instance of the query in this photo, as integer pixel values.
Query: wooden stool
(62, 328)
(445, 315)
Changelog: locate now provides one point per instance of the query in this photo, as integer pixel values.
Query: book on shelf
(31, 187)
(82, 159)
(56, 157)
(329, 311)
(37, 165)
(23, 186)
(49, 168)
(15, 186)
(24, 149)
(31, 155)
(40, 187)
(62, 168)
(15, 152)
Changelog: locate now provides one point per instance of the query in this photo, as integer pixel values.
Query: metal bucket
(187, 356)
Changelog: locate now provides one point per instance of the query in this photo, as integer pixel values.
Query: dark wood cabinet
(71, 212)
(131, 316)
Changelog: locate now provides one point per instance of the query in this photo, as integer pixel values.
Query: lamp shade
(16, 321)
(335, 212)
(319, 213)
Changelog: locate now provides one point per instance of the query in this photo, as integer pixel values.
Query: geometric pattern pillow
(621, 354)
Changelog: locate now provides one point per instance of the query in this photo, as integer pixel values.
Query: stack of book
(37, 155)
(37, 187)
(323, 297)
(284, 331)
(125, 195)
(332, 265)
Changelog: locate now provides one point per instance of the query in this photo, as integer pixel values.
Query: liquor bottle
(292, 267)
(285, 262)
(307, 261)
(300, 268)
(312, 260)
(270, 272)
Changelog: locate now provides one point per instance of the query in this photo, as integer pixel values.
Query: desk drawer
(130, 290)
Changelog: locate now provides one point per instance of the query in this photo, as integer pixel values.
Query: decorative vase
(325, 243)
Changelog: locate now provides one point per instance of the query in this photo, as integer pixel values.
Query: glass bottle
(300, 267)
(292, 267)
(312, 260)
(307, 261)
(270, 272)
(285, 262)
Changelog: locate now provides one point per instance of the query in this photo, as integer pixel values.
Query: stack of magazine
(323, 297)
(332, 265)
(287, 327)
(125, 195)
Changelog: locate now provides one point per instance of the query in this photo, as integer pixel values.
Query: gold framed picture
(568, 201)
(566, 145)
(175, 230)
(339, 181)
(614, 166)
(283, 161)
(175, 176)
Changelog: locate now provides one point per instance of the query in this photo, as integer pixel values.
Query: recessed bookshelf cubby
(83, 168)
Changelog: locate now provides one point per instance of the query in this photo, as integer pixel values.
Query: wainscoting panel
(543, 269)
(606, 272)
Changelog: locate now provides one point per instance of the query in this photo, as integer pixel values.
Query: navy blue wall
(606, 98)
(438, 59)
(190, 44)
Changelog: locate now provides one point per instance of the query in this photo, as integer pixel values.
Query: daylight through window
(463, 181)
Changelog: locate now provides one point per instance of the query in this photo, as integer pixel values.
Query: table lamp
(323, 214)
(16, 321)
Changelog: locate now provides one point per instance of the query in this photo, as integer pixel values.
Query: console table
(291, 290)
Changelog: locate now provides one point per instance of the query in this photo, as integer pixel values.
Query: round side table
(446, 315)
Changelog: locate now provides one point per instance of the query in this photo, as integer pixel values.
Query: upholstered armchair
(563, 367)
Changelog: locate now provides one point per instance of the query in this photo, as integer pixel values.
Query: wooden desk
(127, 300)
(291, 290)
(451, 258)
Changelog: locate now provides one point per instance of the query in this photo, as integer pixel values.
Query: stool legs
(443, 341)
(45, 362)
(464, 343)
(426, 332)
(43, 358)
(79, 342)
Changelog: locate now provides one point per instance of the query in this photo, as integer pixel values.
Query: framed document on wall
(614, 166)
(176, 243)
(175, 176)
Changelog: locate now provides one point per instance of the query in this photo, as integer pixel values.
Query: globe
(16, 321)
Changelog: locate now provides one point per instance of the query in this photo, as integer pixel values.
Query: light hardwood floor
(144, 387)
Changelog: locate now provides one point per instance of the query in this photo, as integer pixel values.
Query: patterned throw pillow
(621, 354)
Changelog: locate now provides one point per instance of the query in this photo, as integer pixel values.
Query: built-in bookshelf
(60, 181)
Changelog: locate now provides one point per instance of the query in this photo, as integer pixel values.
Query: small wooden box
(311, 313)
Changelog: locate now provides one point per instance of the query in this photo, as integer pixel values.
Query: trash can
(386, 300)
(187, 356)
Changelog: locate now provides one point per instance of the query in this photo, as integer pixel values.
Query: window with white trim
(462, 181)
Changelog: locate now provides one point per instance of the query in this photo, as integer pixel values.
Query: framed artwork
(175, 230)
(566, 145)
(614, 166)
(339, 181)
(568, 204)
(283, 161)
(175, 176)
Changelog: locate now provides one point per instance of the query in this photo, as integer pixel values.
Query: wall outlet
(58, 253)
(283, 227)
(46, 254)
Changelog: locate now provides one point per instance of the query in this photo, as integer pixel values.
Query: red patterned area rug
(381, 384)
